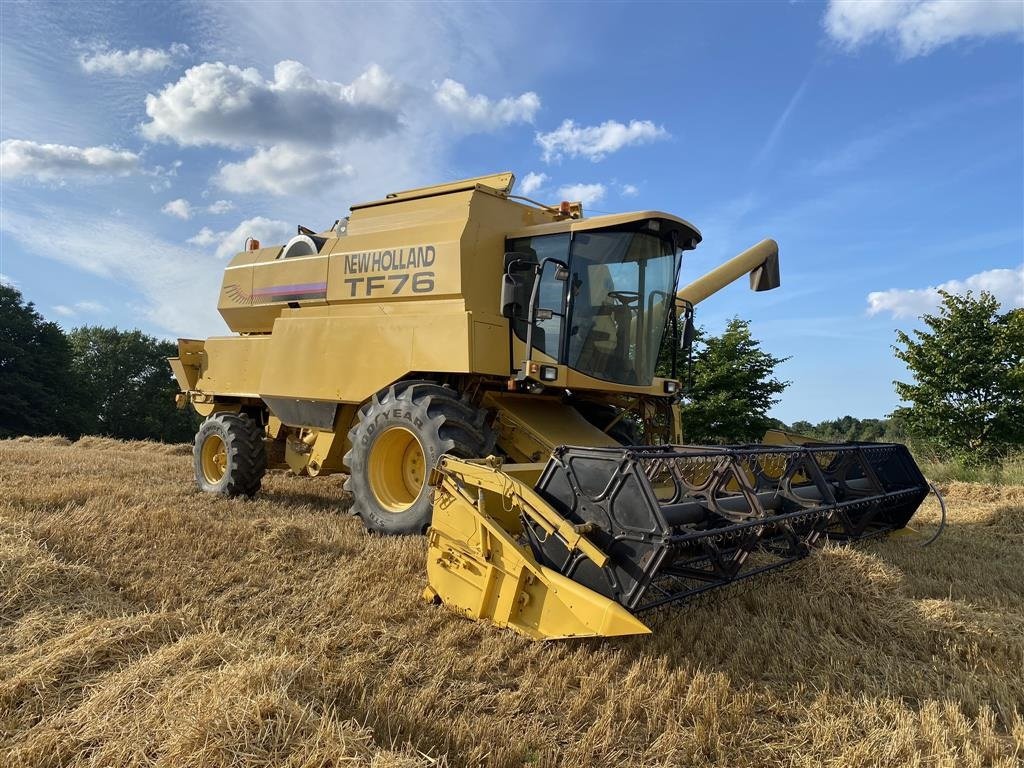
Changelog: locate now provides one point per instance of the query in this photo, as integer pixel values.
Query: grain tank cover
(501, 183)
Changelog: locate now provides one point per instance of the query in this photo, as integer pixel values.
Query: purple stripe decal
(278, 290)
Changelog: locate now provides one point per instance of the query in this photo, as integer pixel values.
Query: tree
(967, 397)
(732, 387)
(850, 428)
(38, 393)
(129, 385)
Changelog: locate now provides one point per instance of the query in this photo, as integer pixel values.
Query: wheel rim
(396, 469)
(214, 459)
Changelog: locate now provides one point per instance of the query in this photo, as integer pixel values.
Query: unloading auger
(607, 534)
(489, 370)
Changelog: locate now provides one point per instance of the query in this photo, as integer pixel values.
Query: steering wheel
(625, 298)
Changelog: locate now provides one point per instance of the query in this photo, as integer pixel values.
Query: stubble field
(142, 623)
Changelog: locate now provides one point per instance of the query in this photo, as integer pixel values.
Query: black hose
(942, 522)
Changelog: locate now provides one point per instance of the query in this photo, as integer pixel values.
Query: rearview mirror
(508, 296)
(515, 283)
(689, 331)
(520, 261)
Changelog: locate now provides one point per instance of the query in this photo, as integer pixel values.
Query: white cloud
(206, 237)
(283, 170)
(1007, 285)
(588, 194)
(81, 307)
(629, 190)
(532, 182)
(46, 162)
(220, 206)
(163, 175)
(918, 27)
(479, 112)
(178, 287)
(267, 231)
(135, 61)
(216, 103)
(91, 306)
(8, 280)
(181, 208)
(184, 210)
(596, 141)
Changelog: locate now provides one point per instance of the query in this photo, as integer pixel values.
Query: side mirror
(508, 296)
(520, 261)
(518, 264)
(689, 331)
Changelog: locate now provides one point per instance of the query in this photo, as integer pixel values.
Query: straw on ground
(143, 623)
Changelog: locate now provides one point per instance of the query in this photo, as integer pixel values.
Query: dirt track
(144, 623)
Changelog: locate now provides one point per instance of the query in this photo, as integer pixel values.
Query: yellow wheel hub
(214, 458)
(396, 468)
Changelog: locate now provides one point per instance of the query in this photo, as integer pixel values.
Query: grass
(143, 623)
(1010, 471)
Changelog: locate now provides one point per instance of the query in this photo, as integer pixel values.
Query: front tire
(229, 457)
(396, 440)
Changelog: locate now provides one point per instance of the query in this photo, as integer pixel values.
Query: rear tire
(229, 457)
(396, 440)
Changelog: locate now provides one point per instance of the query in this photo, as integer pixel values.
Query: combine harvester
(483, 368)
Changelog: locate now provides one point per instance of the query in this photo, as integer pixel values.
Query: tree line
(965, 400)
(90, 381)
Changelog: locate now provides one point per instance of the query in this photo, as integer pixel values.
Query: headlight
(548, 373)
(671, 387)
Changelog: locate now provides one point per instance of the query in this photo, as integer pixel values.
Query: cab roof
(687, 231)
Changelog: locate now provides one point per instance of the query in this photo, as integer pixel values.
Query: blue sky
(882, 145)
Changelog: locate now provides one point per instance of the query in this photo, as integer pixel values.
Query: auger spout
(761, 261)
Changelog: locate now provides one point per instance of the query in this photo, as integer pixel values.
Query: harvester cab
(495, 372)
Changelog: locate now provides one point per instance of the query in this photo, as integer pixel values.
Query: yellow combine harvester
(484, 369)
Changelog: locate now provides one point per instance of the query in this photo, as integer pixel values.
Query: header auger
(484, 369)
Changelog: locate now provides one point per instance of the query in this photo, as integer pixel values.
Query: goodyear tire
(229, 457)
(397, 439)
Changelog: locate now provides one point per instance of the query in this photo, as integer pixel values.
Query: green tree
(129, 385)
(967, 396)
(850, 428)
(38, 393)
(731, 388)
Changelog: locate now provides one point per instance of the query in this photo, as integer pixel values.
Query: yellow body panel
(347, 359)
(529, 427)
(476, 567)
(233, 365)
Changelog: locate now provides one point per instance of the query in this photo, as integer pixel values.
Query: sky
(880, 143)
